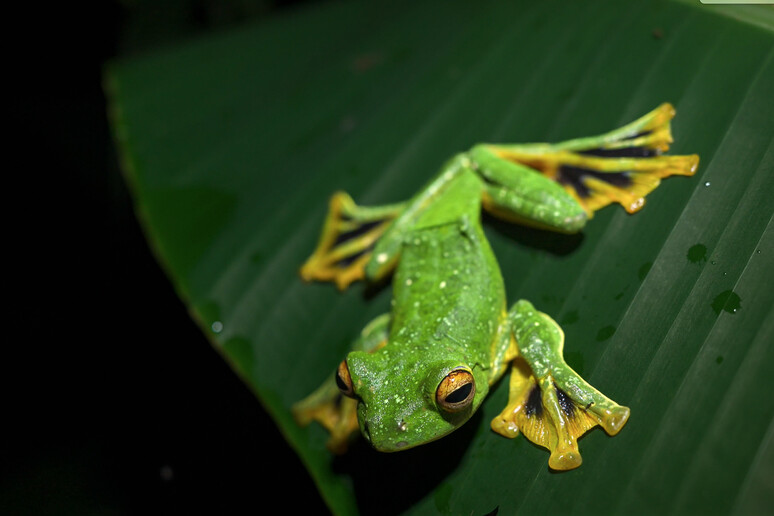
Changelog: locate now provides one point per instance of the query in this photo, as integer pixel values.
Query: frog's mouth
(386, 444)
(403, 435)
(393, 445)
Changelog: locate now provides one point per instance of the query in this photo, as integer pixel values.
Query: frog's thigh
(519, 194)
(548, 401)
(327, 406)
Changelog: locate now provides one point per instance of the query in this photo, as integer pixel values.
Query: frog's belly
(448, 290)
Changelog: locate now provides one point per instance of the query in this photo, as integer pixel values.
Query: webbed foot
(549, 402)
(335, 412)
(548, 416)
(347, 240)
(622, 166)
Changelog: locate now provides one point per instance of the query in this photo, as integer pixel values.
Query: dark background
(114, 402)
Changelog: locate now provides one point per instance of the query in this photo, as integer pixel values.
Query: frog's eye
(456, 391)
(344, 381)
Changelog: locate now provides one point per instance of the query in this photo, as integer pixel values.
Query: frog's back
(448, 290)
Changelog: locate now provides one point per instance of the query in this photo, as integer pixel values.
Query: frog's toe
(563, 460)
(505, 426)
(613, 419)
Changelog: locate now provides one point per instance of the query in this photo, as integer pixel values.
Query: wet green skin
(449, 304)
(448, 310)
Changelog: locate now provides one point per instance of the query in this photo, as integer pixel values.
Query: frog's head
(404, 402)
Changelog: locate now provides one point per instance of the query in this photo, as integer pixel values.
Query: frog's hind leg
(347, 240)
(548, 401)
(621, 166)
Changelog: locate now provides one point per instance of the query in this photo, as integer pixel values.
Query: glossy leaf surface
(233, 144)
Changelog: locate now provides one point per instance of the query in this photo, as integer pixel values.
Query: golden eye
(344, 381)
(456, 391)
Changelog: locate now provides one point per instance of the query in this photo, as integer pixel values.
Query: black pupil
(340, 383)
(460, 394)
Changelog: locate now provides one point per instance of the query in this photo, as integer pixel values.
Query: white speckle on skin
(443, 284)
(381, 257)
(409, 282)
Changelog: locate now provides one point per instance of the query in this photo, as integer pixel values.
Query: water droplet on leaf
(697, 253)
(728, 301)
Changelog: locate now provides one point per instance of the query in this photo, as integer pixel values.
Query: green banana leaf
(232, 144)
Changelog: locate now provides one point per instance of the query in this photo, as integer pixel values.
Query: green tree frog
(419, 372)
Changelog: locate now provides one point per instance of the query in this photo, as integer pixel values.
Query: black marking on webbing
(573, 176)
(349, 235)
(624, 152)
(354, 233)
(568, 407)
(635, 136)
(348, 260)
(534, 405)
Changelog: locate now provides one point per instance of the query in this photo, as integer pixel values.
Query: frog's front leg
(548, 401)
(364, 242)
(346, 243)
(328, 406)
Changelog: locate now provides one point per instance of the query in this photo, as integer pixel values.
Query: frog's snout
(383, 443)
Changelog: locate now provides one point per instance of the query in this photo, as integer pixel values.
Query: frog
(420, 371)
